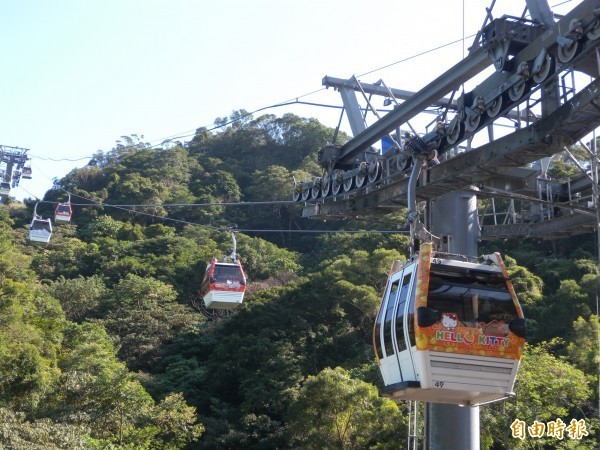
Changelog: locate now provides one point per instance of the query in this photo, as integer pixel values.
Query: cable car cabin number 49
(449, 331)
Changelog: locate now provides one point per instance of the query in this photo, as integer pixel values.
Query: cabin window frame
(468, 284)
(229, 270)
(402, 298)
(388, 319)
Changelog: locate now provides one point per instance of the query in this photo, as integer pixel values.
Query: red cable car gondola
(63, 211)
(26, 172)
(224, 283)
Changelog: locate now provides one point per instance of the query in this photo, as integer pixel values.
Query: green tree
(69, 258)
(563, 165)
(135, 189)
(271, 184)
(18, 433)
(547, 388)
(583, 350)
(528, 286)
(30, 334)
(97, 393)
(262, 258)
(79, 297)
(561, 309)
(142, 315)
(173, 424)
(334, 411)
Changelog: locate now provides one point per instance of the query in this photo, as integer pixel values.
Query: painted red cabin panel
(224, 285)
(63, 212)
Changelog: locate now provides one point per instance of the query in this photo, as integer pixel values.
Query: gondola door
(388, 362)
(396, 362)
(401, 339)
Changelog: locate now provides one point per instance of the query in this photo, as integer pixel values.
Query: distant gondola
(224, 285)
(26, 172)
(4, 189)
(63, 211)
(449, 331)
(40, 230)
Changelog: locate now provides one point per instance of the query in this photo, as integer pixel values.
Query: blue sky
(77, 74)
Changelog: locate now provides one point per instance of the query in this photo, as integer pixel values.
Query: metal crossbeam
(546, 137)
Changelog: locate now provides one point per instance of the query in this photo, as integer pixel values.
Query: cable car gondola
(5, 188)
(63, 211)
(449, 331)
(40, 230)
(26, 172)
(224, 283)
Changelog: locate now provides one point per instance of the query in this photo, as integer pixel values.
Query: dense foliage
(101, 348)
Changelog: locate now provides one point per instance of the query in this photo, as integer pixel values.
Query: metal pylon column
(451, 426)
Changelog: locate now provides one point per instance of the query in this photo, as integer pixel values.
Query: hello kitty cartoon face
(449, 320)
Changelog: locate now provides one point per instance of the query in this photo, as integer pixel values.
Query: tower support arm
(376, 89)
(433, 92)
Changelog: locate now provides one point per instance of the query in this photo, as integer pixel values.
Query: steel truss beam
(546, 137)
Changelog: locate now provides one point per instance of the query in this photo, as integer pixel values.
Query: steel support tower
(534, 60)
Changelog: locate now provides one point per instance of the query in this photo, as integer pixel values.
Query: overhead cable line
(33, 195)
(179, 205)
(212, 227)
(326, 231)
(126, 208)
(185, 222)
(61, 159)
(191, 133)
(416, 55)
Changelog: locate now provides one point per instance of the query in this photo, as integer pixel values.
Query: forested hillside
(101, 347)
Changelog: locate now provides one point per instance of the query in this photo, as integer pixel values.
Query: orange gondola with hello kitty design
(449, 330)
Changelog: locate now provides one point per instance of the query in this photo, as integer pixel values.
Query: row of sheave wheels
(564, 53)
(340, 182)
(337, 182)
(513, 94)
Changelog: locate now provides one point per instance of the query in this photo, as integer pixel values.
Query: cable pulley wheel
(348, 184)
(545, 71)
(517, 90)
(296, 193)
(594, 33)
(472, 122)
(315, 191)
(361, 176)
(306, 193)
(567, 52)
(495, 108)
(455, 134)
(374, 172)
(403, 162)
(336, 182)
(325, 186)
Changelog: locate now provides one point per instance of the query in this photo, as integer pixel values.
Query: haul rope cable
(212, 227)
